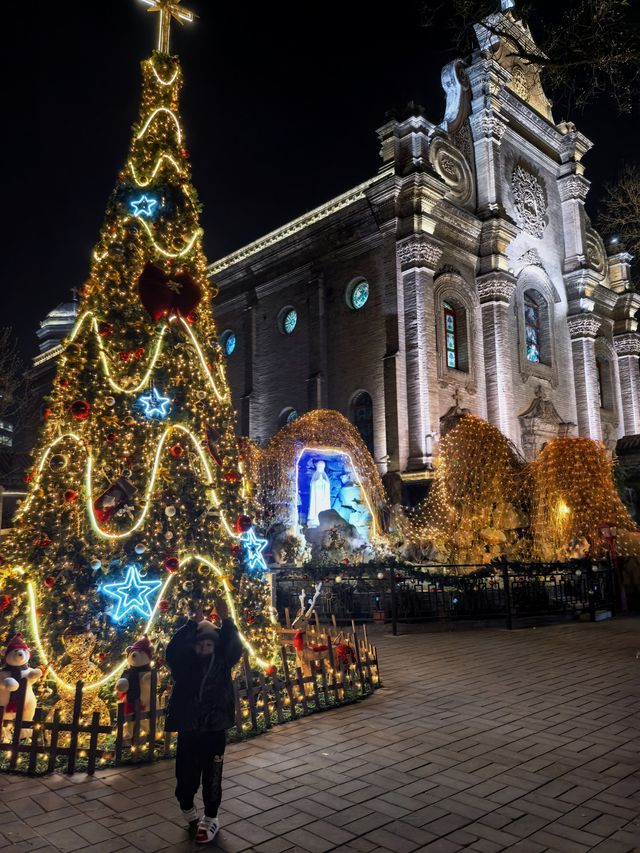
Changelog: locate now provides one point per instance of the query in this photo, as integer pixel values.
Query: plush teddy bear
(135, 683)
(16, 680)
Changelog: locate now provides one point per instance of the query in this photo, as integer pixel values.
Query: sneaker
(207, 830)
(191, 817)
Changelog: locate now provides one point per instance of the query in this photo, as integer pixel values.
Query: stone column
(583, 329)
(418, 261)
(628, 351)
(495, 291)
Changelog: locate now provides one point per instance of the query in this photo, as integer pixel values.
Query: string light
(145, 183)
(156, 112)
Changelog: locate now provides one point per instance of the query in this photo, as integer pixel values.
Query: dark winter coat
(202, 697)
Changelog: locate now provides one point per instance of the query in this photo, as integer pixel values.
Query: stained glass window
(532, 329)
(292, 416)
(451, 334)
(289, 320)
(358, 295)
(228, 341)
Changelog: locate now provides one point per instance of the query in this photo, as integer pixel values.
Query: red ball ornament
(243, 523)
(46, 413)
(102, 657)
(70, 496)
(50, 582)
(5, 602)
(28, 478)
(63, 383)
(138, 353)
(271, 671)
(172, 564)
(105, 329)
(163, 606)
(184, 153)
(125, 355)
(111, 437)
(232, 476)
(80, 410)
(176, 451)
(42, 541)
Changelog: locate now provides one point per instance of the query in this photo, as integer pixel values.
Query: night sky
(281, 103)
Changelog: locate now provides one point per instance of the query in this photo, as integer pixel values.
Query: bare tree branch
(589, 48)
(620, 212)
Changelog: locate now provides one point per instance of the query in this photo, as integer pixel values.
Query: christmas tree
(135, 514)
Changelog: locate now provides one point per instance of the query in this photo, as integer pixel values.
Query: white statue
(320, 497)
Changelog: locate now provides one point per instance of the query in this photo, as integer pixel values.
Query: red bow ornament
(163, 295)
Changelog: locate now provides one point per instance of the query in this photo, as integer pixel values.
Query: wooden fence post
(75, 722)
(119, 735)
(93, 743)
(251, 699)
(53, 745)
(288, 685)
(35, 729)
(15, 741)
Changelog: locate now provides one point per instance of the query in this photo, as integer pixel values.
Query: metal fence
(501, 592)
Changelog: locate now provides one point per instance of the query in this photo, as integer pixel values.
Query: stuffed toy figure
(16, 680)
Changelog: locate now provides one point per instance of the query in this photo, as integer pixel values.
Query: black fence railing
(507, 592)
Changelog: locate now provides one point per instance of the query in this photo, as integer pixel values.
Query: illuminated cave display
(345, 495)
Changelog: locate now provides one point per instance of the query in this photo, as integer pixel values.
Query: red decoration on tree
(63, 383)
(162, 294)
(80, 410)
(70, 496)
(271, 671)
(243, 523)
(105, 329)
(176, 451)
(5, 602)
(50, 582)
(111, 437)
(232, 476)
(112, 499)
(46, 413)
(163, 606)
(172, 564)
(125, 355)
(42, 541)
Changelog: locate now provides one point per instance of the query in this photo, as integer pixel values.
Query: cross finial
(168, 9)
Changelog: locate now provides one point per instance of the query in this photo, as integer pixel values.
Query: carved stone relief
(452, 167)
(541, 423)
(530, 200)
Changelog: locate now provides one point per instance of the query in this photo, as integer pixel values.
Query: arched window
(228, 341)
(532, 328)
(362, 417)
(455, 335)
(451, 335)
(288, 416)
(537, 328)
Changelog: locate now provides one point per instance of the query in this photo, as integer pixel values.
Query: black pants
(199, 758)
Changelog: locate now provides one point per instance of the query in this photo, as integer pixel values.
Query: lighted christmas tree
(135, 514)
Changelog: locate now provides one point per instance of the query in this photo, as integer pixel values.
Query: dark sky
(281, 104)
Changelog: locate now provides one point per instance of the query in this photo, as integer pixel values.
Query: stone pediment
(540, 423)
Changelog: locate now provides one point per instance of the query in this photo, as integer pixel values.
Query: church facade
(464, 276)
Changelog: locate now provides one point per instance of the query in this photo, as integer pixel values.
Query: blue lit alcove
(346, 495)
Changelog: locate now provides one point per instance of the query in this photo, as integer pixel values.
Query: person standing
(201, 708)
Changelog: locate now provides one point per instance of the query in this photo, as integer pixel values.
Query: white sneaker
(207, 829)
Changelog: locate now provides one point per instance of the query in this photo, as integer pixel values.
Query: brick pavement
(482, 741)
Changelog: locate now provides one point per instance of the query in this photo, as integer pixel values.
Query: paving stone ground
(483, 741)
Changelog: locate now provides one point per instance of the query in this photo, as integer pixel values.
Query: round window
(288, 320)
(228, 341)
(358, 294)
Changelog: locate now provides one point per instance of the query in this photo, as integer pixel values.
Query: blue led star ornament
(253, 548)
(144, 206)
(132, 594)
(154, 405)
